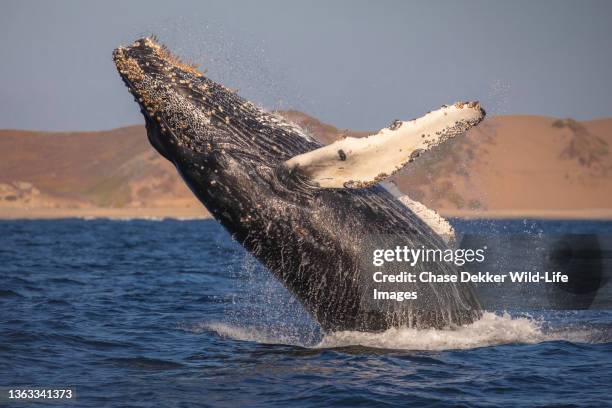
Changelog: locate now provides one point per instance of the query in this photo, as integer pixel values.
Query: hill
(509, 166)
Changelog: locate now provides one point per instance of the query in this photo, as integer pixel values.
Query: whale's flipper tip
(363, 162)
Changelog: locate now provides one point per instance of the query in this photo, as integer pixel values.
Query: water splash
(248, 333)
(492, 330)
(498, 97)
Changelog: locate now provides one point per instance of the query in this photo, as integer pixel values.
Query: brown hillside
(508, 166)
(114, 169)
(520, 165)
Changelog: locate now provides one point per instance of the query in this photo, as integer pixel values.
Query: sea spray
(492, 330)
(263, 307)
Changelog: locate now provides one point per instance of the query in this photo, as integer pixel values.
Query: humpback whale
(306, 211)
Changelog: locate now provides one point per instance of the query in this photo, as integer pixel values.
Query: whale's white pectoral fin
(430, 217)
(362, 162)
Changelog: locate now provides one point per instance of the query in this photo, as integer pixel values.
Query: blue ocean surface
(175, 314)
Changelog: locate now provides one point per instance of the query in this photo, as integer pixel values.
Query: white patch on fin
(430, 217)
(362, 162)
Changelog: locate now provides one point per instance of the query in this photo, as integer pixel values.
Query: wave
(247, 333)
(142, 363)
(491, 330)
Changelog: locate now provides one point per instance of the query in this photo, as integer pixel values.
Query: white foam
(247, 333)
(493, 329)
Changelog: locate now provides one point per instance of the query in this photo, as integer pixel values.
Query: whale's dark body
(230, 153)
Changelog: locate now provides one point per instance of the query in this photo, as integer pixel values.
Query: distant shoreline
(595, 214)
(15, 213)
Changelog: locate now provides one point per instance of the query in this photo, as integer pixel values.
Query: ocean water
(175, 314)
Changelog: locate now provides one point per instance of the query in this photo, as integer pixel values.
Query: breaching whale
(304, 210)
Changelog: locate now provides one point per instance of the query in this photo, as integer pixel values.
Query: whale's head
(163, 87)
(218, 141)
(188, 114)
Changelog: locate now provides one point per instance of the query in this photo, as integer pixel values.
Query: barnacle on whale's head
(148, 49)
(148, 66)
(174, 97)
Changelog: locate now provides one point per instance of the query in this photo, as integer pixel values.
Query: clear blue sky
(355, 64)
